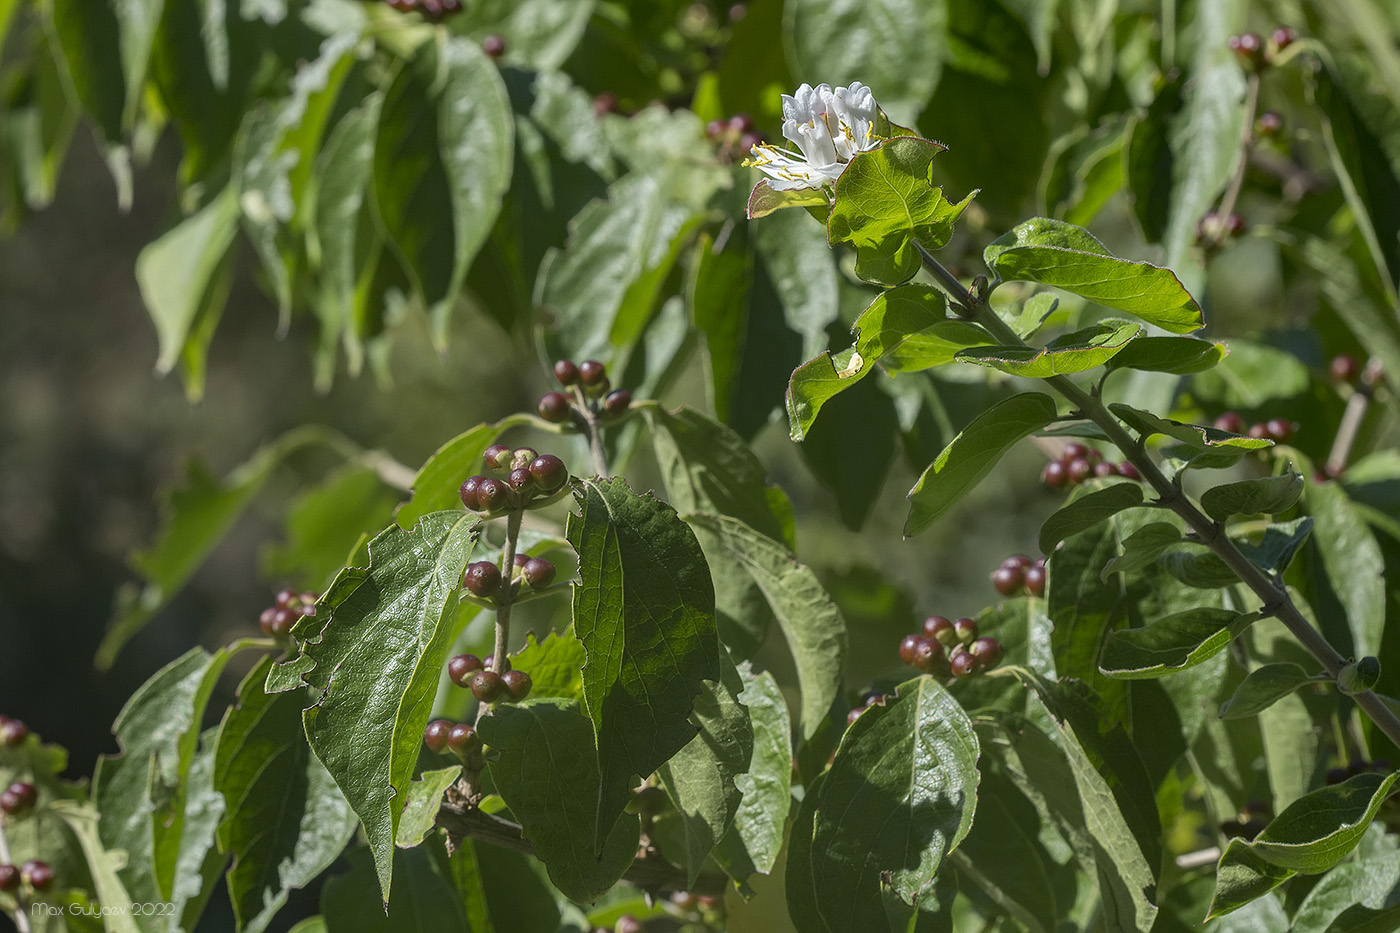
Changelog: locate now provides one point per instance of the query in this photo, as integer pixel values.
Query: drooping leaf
(546, 769)
(644, 610)
(972, 454)
(899, 797)
(1178, 355)
(1056, 253)
(887, 206)
(1087, 511)
(1270, 494)
(1193, 435)
(755, 839)
(285, 821)
(435, 487)
(1071, 353)
(1142, 547)
(555, 665)
(1171, 644)
(1263, 687)
(376, 660)
(1281, 541)
(811, 623)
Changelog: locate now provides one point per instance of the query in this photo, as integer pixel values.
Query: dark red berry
(1055, 475)
(1230, 421)
(13, 732)
(962, 664)
(1344, 368)
(435, 735)
(1072, 450)
(482, 579)
(538, 572)
(1103, 469)
(468, 492)
(1019, 561)
(627, 924)
(1035, 581)
(741, 123)
(490, 661)
(965, 629)
(1128, 471)
(555, 407)
(987, 651)
(592, 372)
(907, 646)
(1258, 430)
(518, 684)
(497, 457)
(462, 667)
(308, 598)
(492, 494)
(281, 622)
(605, 102)
(566, 372)
(18, 798)
(1079, 469)
(38, 874)
(1234, 224)
(854, 714)
(549, 471)
(265, 619)
(617, 402)
(1283, 37)
(461, 738)
(1249, 47)
(9, 878)
(487, 686)
(494, 46)
(521, 559)
(1270, 123)
(1279, 429)
(1008, 580)
(520, 480)
(284, 597)
(940, 628)
(929, 656)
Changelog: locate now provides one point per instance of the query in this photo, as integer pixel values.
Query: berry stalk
(1276, 601)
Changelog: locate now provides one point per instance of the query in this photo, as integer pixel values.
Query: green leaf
(1178, 355)
(438, 480)
(1270, 494)
(644, 610)
(426, 900)
(545, 767)
(972, 454)
(763, 200)
(887, 206)
(905, 329)
(1071, 353)
(896, 46)
(1056, 253)
(755, 839)
(199, 861)
(1002, 858)
(1280, 543)
(103, 864)
(1241, 877)
(420, 807)
(1086, 511)
(1171, 644)
(899, 797)
(1142, 547)
(325, 523)
(1193, 435)
(376, 660)
(1264, 686)
(175, 271)
(811, 622)
(1354, 567)
(1197, 565)
(442, 163)
(700, 778)
(285, 820)
(539, 33)
(554, 665)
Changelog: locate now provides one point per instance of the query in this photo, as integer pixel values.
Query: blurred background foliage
(293, 211)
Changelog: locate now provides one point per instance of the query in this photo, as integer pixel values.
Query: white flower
(829, 128)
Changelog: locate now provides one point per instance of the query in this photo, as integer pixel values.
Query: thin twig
(1350, 426)
(1232, 194)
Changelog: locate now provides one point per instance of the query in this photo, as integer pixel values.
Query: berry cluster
(525, 475)
(488, 686)
(1278, 430)
(1078, 463)
(277, 620)
(1255, 52)
(433, 10)
(1357, 766)
(1019, 574)
(12, 732)
(733, 138)
(950, 647)
(459, 738)
(18, 799)
(1250, 822)
(38, 875)
(483, 578)
(592, 392)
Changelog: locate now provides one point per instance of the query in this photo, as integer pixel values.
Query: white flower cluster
(828, 126)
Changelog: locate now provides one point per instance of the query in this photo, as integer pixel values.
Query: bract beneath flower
(828, 126)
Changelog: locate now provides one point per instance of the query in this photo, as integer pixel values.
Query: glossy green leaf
(286, 821)
(1071, 353)
(755, 839)
(1355, 569)
(441, 476)
(373, 651)
(1142, 547)
(886, 206)
(421, 805)
(1086, 511)
(972, 454)
(555, 665)
(1171, 644)
(1193, 435)
(700, 778)
(1270, 494)
(644, 610)
(874, 42)
(544, 766)
(810, 621)
(1242, 877)
(899, 797)
(1178, 355)
(905, 329)
(442, 163)
(425, 900)
(1062, 255)
(1263, 687)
